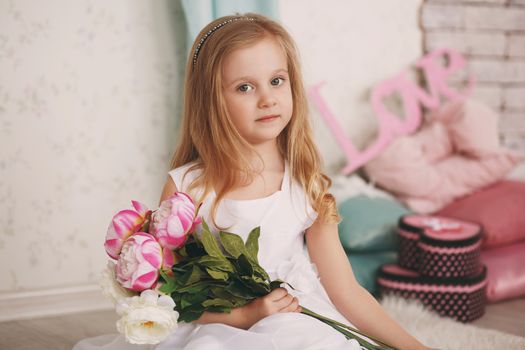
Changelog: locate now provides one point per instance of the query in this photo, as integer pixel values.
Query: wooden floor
(60, 333)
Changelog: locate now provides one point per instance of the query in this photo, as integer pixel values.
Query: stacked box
(462, 299)
(439, 264)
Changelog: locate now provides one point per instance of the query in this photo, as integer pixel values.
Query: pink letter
(390, 125)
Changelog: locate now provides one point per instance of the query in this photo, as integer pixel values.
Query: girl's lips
(268, 118)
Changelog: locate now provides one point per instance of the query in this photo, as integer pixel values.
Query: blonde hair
(208, 137)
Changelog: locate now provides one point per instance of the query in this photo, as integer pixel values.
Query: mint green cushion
(367, 265)
(369, 224)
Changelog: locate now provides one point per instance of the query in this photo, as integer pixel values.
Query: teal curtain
(198, 13)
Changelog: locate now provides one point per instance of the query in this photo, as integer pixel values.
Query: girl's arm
(278, 300)
(352, 300)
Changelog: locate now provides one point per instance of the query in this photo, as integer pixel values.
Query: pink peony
(139, 262)
(124, 224)
(175, 218)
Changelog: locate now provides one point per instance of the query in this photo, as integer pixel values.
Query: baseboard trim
(52, 302)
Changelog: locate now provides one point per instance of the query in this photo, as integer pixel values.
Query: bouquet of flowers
(163, 272)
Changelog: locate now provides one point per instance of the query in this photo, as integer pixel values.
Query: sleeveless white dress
(283, 217)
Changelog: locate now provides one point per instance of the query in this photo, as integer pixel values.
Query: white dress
(283, 218)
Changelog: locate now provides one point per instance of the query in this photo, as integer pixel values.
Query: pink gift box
(439, 247)
(462, 299)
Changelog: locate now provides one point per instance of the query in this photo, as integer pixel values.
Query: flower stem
(350, 335)
(348, 331)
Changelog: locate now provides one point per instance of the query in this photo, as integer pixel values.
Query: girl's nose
(267, 99)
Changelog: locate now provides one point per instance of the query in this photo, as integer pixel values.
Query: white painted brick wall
(514, 98)
(441, 16)
(495, 18)
(469, 43)
(516, 45)
(491, 95)
(514, 141)
(492, 2)
(511, 123)
(491, 35)
(497, 71)
(484, 2)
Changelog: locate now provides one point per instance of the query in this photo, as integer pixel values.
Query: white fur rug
(445, 333)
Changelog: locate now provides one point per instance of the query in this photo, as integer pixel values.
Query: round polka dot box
(462, 299)
(439, 247)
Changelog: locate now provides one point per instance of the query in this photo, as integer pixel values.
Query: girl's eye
(277, 81)
(244, 88)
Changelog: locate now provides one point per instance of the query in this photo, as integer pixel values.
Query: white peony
(299, 272)
(110, 287)
(148, 318)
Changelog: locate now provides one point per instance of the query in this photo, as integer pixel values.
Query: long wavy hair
(208, 137)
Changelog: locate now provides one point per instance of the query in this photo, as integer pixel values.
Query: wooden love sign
(412, 96)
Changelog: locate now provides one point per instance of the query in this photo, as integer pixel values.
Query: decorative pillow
(369, 224)
(506, 271)
(366, 267)
(455, 154)
(500, 209)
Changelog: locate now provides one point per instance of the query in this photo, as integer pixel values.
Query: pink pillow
(505, 271)
(499, 208)
(453, 155)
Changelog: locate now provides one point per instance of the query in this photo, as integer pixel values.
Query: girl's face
(256, 85)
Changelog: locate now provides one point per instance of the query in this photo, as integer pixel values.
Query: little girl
(246, 152)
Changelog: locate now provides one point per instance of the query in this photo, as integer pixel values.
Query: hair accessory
(198, 48)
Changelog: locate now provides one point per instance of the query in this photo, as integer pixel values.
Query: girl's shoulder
(301, 203)
(184, 175)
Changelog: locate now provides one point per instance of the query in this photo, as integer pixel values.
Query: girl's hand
(279, 300)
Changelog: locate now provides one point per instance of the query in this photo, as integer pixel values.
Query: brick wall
(491, 35)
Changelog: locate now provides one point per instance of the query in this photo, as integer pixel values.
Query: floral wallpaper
(89, 100)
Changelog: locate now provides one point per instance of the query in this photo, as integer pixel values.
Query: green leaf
(193, 299)
(220, 309)
(239, 290)
(260, 272)
(169, 284)
(188, 275)
(258, 289)
(210, 245)
(205, 226)
(217, 302)
(180, 268)
(194, 250)
(252, 243)
(232, 243)
(226, 294)
(192, 287)
(184, 303)
(182, 275)
(216, 263)
(190, 314)
(245, 266)
(195, 288)
(145, 226)
(258, 280)
(196, 275)
(277, 284)
(182, 252)
(218, 275)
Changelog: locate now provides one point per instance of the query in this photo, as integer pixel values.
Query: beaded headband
(198, 48)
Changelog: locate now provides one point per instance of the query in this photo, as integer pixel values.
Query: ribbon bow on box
(441, 225)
